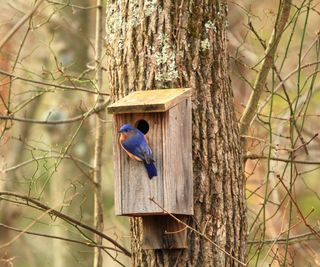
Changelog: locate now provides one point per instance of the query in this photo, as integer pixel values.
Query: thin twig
(18, 25)
(298, 209)
(13, 168)
(55, 122)
(60, 86)
(255, 156)
(72, 5)
(10, 242)
(292, 239)
(31, 202)
(57, 237)
(175, 232)
(297, 69)
(277, 147)
(284, 89)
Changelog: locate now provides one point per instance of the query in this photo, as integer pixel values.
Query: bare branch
(31, 202)
(53, 122)
(255, 156)
(57, 237)
(317, 234)
(297, 69)
(13, 168)
(71, 5)
(67, 87)
(19, 24)
(100, 130)
(292, 239)
(267, 63)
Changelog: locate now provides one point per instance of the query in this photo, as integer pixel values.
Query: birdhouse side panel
(116, 166)
(178, 183)
(135, 188)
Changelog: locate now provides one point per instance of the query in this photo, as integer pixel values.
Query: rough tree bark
(182, 43)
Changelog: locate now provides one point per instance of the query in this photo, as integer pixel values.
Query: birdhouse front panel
(133, 186)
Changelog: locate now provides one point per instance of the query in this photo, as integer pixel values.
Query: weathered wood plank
(117, 166)
(163, 232)
(136, 187)
(178, 184)
(150, 101)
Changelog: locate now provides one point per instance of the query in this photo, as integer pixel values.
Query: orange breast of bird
(123, 138)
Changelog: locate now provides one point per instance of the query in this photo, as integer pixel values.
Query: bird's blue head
(126, 129)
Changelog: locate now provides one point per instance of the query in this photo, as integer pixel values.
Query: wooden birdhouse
(164, 116)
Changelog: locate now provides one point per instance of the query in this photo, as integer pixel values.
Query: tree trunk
(165, 44)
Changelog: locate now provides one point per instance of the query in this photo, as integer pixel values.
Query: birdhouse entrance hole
(143, 126)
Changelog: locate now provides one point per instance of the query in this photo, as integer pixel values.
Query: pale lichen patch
(165, 60)
(210, 25)
(114, 26)
(150, 6)
(205, 45)
(134, 18)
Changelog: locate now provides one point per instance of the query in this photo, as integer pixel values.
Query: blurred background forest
(47, 133)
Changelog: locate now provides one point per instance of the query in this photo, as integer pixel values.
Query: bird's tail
(151, 169)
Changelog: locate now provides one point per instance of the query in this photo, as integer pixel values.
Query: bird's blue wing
(137, 145)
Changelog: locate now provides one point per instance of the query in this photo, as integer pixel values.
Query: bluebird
(135, 144)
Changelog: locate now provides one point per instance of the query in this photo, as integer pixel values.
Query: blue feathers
(134, 143)
(151, 169)
(126, 128)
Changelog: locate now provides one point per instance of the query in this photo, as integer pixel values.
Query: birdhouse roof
(150, 101)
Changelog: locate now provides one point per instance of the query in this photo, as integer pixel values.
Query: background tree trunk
(164, 44)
